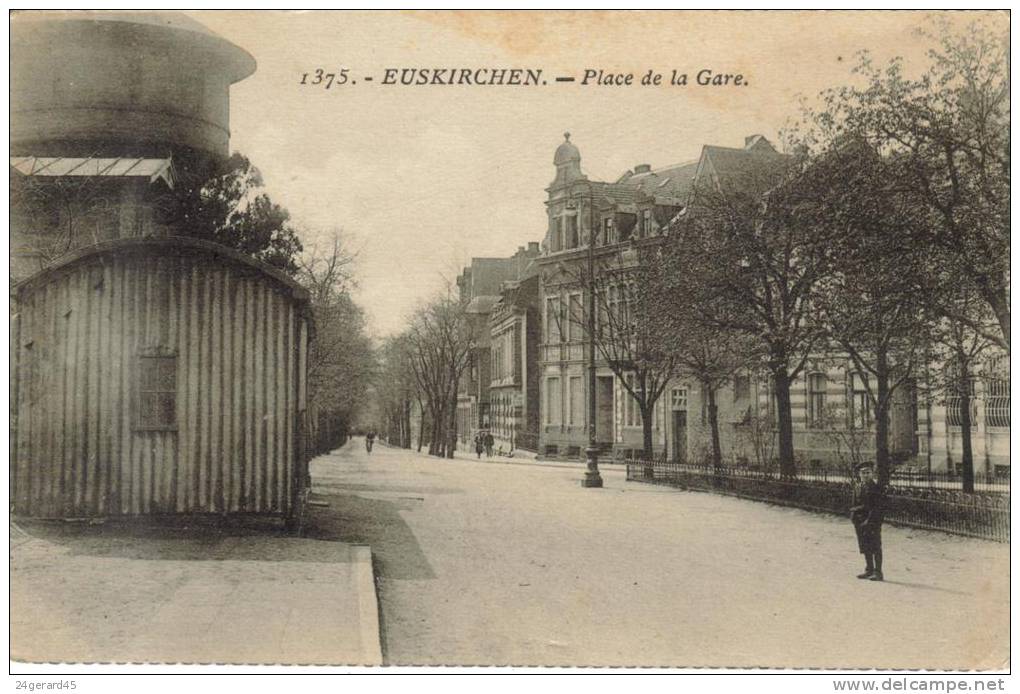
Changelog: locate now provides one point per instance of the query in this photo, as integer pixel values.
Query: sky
(421, 179)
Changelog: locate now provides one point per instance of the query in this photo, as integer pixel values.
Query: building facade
(620, 220)
(479, 286)
(515, 328)
(832, 417)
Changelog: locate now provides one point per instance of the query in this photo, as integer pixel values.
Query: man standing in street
(866, 514)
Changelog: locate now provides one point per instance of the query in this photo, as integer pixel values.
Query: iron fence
(979, 514)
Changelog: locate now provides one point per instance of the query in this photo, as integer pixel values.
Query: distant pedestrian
(866, 513)
(369, 441)
(479, 445)
(489, 443)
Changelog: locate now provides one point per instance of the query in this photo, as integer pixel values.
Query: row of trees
(423, 367)
(883, 237)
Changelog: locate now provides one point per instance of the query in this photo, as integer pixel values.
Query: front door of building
(604, 406)
(680, 436)
(903, 422)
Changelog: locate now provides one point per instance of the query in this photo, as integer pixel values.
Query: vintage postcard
(511, 338)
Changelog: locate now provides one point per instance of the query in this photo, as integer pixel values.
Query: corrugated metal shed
(158, 376)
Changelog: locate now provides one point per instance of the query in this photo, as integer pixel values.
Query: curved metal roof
(164, 245)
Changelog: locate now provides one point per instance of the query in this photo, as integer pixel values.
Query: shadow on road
(922, 586)
(375, 522)
(192, 539)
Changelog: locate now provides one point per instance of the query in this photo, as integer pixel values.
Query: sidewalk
(523, 458)
(124, 593)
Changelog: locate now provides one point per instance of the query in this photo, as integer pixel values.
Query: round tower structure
(119, 84)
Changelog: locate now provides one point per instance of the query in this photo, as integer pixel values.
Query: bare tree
(625, 336)
(396, 389)
(440, 342)
(341, 360)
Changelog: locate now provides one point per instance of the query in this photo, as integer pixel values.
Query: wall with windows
(990, 421)
(158, 376)
(832, 413)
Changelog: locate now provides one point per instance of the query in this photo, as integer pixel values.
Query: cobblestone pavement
(480, 563)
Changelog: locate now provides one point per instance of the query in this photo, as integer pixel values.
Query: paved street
(516, 564)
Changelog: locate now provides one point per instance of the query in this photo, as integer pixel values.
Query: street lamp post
(592, 478)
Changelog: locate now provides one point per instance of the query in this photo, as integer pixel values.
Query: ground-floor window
(553, 402)
(576, 400)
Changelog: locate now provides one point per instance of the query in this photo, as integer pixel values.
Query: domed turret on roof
(567, 162)
(566, 152)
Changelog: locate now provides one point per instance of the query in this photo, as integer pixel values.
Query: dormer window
(646, 223)
(608, 231)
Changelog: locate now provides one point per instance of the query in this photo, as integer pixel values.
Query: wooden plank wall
(79, 452)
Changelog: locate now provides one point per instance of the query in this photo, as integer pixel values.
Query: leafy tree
(752, 260)
(698, 349)
(233, 209)
(871, 302)
(961, 348)
(949, 128)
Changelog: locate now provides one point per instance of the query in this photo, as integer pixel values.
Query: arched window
(996, 377)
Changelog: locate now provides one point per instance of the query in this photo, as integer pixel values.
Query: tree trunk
(422, 421)
(784, 416)
(435, 437)
(407, 424)
(965, 427)
(451, 438)
(647, 421)
(713, 424)
(882, 398)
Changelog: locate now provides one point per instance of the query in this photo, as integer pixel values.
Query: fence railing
(980, 514)
(901, 476)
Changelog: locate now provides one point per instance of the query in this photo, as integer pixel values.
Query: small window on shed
(157, 392)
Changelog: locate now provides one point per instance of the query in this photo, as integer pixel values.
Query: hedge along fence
(984, 516)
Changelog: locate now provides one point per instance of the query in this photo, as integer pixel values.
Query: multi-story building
(627, 217)
(479, 289)
(515, 326)
(830, 406)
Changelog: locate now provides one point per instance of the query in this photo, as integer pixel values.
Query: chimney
(533, 247)
(642, 168)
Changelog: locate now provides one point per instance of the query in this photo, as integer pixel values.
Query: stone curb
(368, 606)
